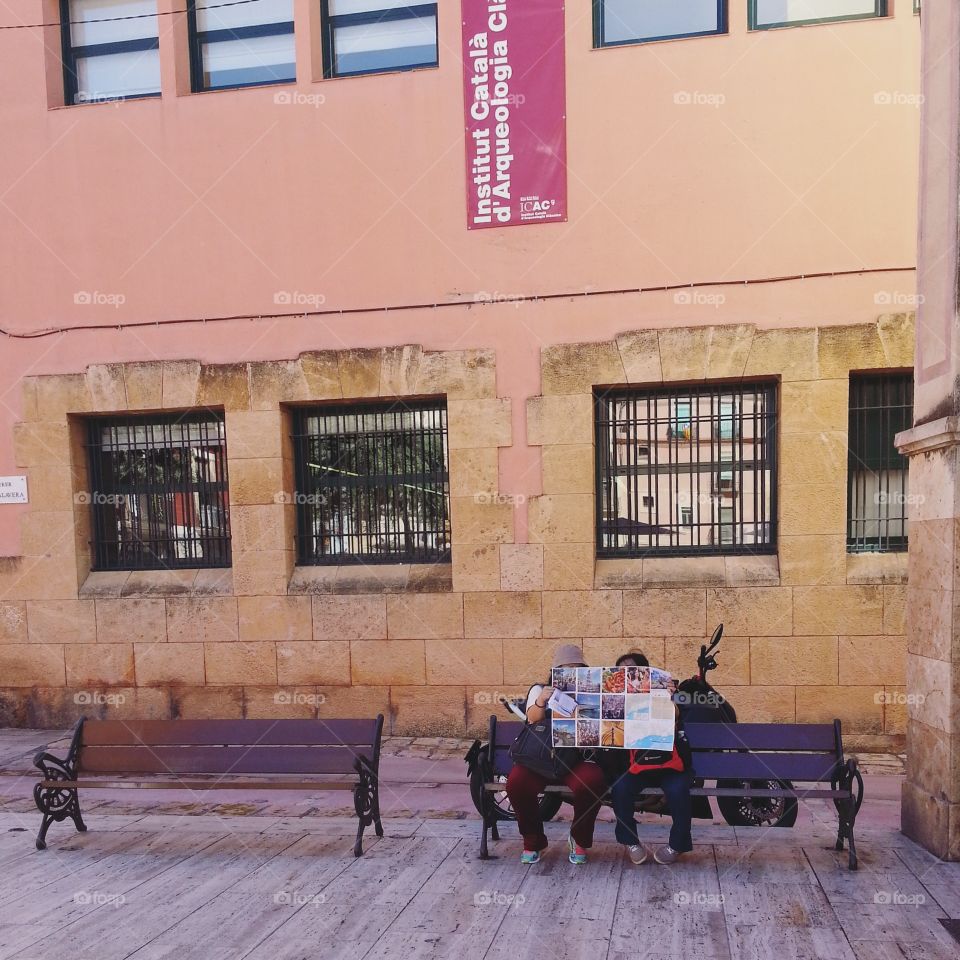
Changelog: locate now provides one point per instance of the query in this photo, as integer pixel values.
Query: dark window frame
(764, 466)
(598, 26)
(891, 461)
(216, 545)
(306, 548)
(410, 12)
(197, 38)
(70, 54)
(880, 7)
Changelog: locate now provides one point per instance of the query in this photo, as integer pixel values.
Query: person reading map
(630, 771)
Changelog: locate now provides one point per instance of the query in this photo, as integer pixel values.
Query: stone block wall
(810, 634)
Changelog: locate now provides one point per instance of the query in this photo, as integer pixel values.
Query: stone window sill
(740, 571)
(877, 567)
(373, 578)
(204, 582)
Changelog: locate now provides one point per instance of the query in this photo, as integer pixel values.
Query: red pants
(588, 785)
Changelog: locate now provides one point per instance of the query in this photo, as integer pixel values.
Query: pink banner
(514, 104)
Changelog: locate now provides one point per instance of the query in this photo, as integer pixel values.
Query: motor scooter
(698, 702)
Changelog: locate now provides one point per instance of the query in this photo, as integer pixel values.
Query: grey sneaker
(666, 854)
(638, 853)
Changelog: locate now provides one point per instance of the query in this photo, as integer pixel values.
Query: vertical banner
(515, 106)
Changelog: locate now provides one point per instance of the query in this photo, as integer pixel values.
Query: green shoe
(578, 855)
(530, 856)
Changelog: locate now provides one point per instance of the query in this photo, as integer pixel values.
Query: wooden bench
(214, 755)
(809, 753)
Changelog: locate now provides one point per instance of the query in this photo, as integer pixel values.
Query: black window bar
(881, 405)
(686, 471)
(158, 492)
(372, 483)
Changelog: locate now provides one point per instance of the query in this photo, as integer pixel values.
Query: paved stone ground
(249, 875)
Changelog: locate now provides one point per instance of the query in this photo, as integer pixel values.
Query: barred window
(686, 471)
(372, 483)
(877, 478)
(159, 497)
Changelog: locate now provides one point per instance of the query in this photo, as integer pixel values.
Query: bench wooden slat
(803, 767)
(187, 784)
(217, 759)
(783, 737)
(234, 732)
(507, 732)
(800, 792)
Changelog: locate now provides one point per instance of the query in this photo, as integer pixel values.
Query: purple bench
(214, 755)
(754, 753)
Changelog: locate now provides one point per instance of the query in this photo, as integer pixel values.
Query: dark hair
(637, 656)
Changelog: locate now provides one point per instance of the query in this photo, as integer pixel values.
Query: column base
(931, 821)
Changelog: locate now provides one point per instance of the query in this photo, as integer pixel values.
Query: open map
(626, 707)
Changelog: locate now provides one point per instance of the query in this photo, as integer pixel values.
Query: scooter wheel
(758, 811)
(550, 803)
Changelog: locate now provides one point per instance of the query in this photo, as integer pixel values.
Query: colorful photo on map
(612, 707)
(564, 733)
(637, 679)
(589, 679)
(588, 733)
(611, 733)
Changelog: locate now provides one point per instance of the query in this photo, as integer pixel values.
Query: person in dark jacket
(627, 778)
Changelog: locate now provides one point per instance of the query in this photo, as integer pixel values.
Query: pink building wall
(211, 205)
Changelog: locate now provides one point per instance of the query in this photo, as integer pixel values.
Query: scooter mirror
(715, 639)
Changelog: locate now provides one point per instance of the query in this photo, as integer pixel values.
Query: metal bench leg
(489, 824)
(484, 853)
(364, 802)
(840, 832)
(852, 856)
(42, 835)
(54, 803)
(853, 807)
(847, 810)
(377, 825)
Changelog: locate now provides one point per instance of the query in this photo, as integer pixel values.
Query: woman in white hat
(585, 780)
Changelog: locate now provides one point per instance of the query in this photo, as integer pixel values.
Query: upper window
(241, 44)
(372, 483)
(158, 492)
(636, 21)
(110, 49)
(877, 493)
(375, 36)
(686, 471)
(789, 13)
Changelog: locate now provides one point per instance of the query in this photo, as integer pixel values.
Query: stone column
(931, 793)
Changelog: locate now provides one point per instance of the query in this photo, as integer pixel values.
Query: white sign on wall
(13, 490)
